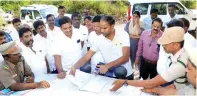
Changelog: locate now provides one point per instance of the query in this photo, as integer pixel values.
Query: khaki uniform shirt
(11, 73)
(176, 71)
(187, 90)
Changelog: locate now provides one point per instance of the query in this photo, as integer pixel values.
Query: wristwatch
(125, 83)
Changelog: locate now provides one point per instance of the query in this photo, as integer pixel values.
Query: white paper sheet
(88, 82)
(130, 90)
(96, 84)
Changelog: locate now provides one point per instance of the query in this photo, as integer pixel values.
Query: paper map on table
(88, 82)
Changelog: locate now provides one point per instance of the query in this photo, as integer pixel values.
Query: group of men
(65, 45)
(162, 57)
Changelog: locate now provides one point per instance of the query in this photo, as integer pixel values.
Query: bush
(2, 21)
(115, 8)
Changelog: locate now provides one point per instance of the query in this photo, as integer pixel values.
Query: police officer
(13, 70)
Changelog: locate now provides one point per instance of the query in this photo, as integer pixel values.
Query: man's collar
(158, 34)
(9, 65)
(177, 55)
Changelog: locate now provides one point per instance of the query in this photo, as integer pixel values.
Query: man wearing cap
(164, 61)
(172, 40)
(191, 77)
(14, 69)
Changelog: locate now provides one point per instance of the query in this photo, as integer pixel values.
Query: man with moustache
(68, 48)
(147, 51)
(32, 57)
(3, 40)
(50, 27)
(44, 43)
(14, 69)
(114, 47)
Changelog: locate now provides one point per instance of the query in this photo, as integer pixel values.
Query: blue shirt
(147, 23)
(8, 37)
(57, 22)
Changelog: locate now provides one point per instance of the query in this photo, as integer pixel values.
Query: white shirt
(97, 57)
(176, 69)
(36, 61)
(27, 18)
(112, 50)
(69, 49)
(46, 46)
(1, 58)
(84, 31)
(14, 34)
(163, 61)
(188, 38)
(168, 19)
(55, 32)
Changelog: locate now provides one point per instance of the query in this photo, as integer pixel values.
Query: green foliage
(2, 21)
(191, 4)
(115, 8)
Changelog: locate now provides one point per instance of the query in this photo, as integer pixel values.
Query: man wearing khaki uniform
(14, 69)
(172, 41)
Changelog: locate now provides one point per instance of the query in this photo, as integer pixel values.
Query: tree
(191, 4)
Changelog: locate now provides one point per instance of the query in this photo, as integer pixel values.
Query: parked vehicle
(144, 6)
(36, 12)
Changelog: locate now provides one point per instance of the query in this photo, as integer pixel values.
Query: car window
(160, 7)
(142, 8)
(24, 12)
(46, 11)
(36, 14)
(179, 9)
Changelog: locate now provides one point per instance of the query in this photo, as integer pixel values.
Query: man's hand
(161, 91)
(29, 79)
(147, 90)
(72, 71)
(103, 68)
(43, 84)
(61, 75)
(117, 84)
(136, 62)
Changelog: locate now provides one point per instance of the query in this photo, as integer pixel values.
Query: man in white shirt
(67, 47)
(172, 14)
(27, 17)
(172, 40)
(114, 47)
(2, 41)
(97, 57)
(188, 37)
(32, 57)
(44, 42)
(14, 31)
(148, 20)
(76, 20)
(163, 61)
(51, 28)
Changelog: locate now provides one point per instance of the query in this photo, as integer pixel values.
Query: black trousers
(147, 68)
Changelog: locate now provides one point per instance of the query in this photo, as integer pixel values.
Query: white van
(37, 12)
(144, 7)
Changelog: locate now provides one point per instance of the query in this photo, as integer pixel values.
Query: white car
(144, 6)
(37, 12)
